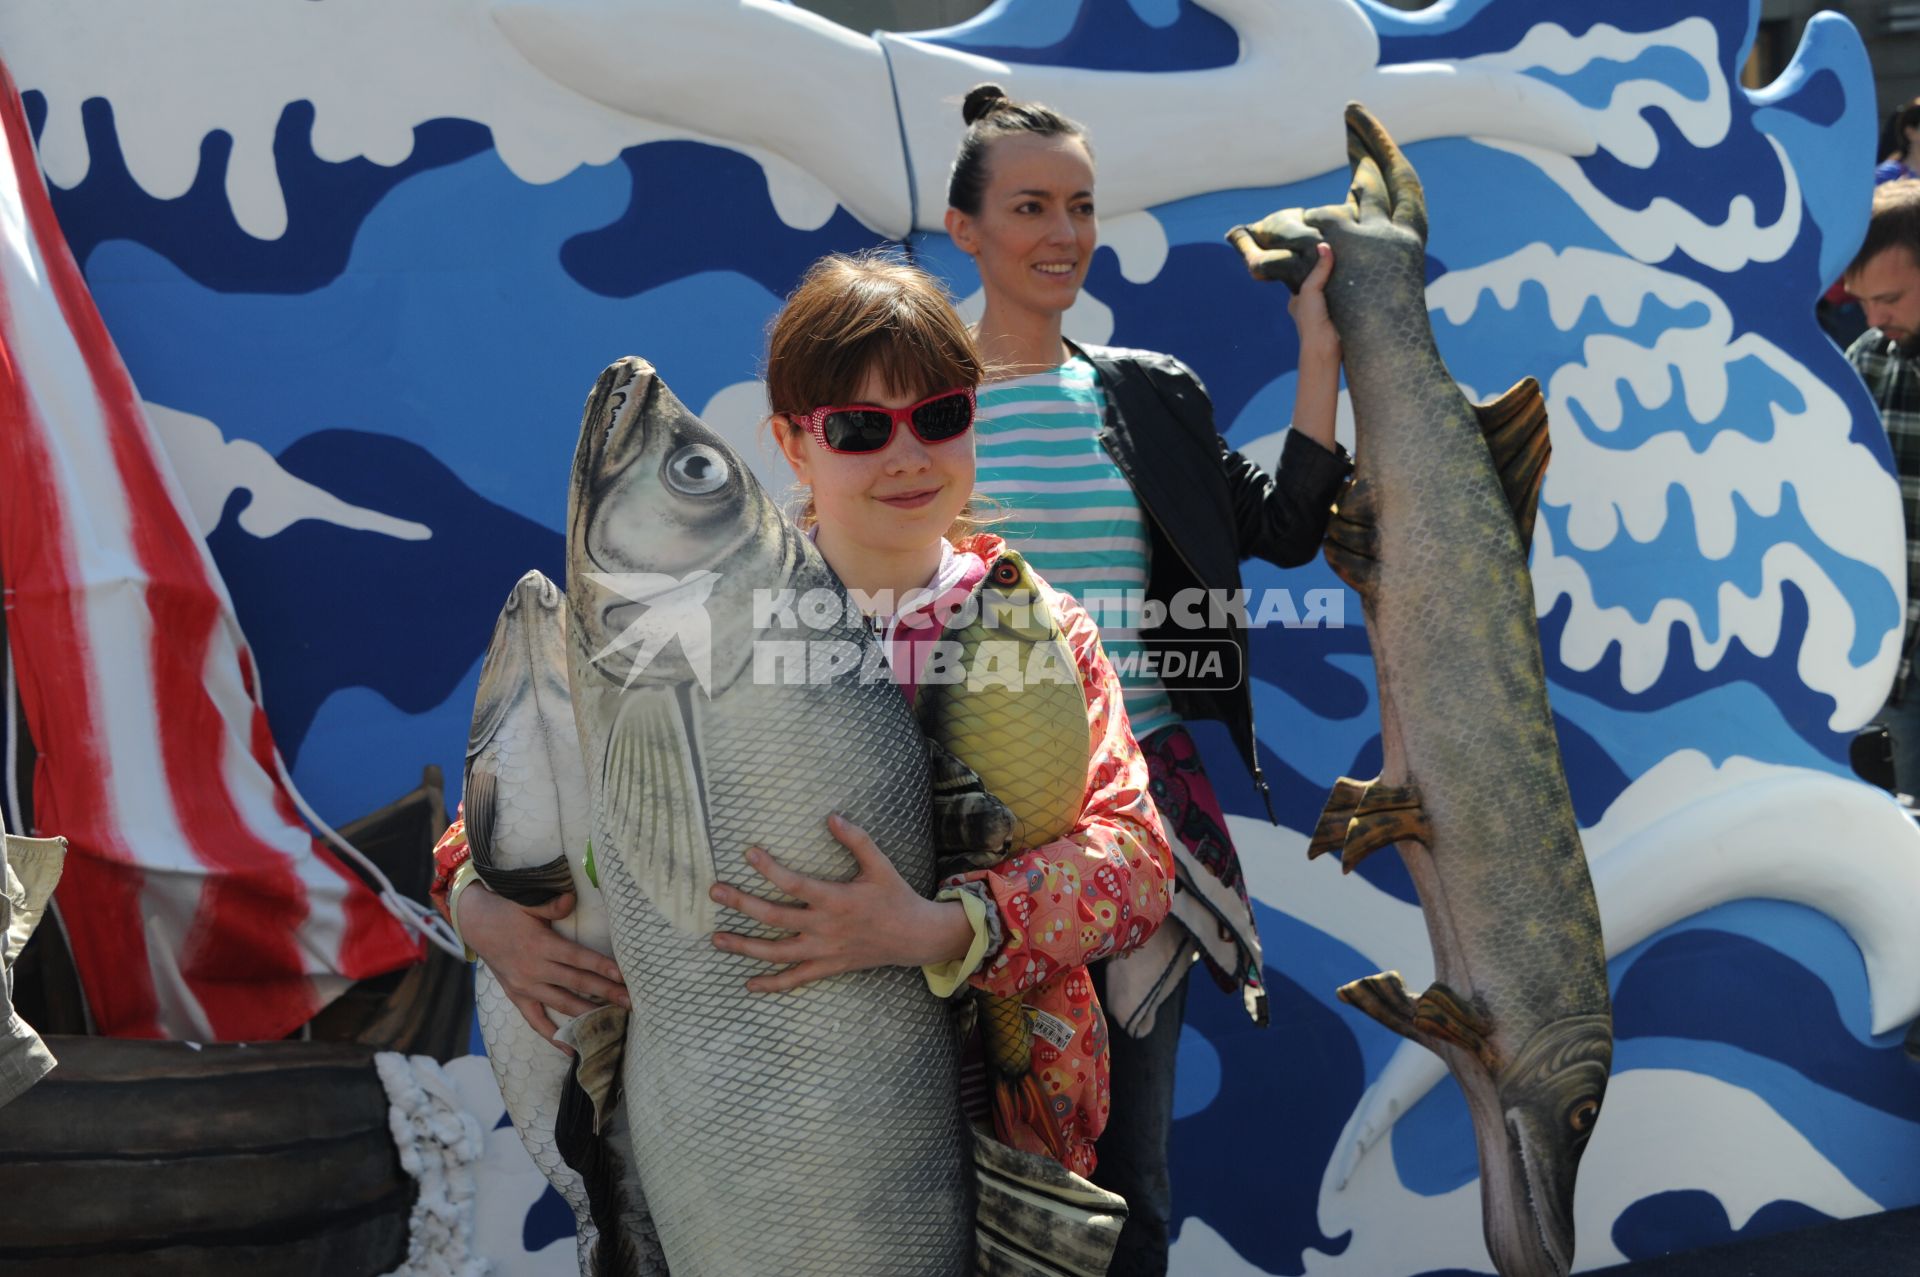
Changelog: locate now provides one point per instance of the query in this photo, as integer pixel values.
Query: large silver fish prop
(781, 1135)
(1433, 533)
(526, 815)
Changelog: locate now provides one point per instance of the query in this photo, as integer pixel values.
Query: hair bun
(981, 101)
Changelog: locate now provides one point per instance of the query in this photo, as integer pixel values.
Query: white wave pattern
(867, 123)
(426, 60)
(506, 1182)
(1657, 231)
(212, 468)
(1687, 836)
(1849, 502)
(1664, 1130)
(1088, 321)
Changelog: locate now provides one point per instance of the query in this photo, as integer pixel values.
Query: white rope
(412, 914)
(422, 918)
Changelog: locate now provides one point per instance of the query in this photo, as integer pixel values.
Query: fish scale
(839, 1069)
(795, 1134)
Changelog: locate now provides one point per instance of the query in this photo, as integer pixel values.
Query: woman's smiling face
(1036, 230)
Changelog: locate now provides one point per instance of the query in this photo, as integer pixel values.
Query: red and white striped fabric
(197, 904)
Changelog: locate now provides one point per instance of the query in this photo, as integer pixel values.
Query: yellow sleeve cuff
(463, 877)
(945, 978)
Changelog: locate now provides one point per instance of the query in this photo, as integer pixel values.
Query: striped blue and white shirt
(1069, 510)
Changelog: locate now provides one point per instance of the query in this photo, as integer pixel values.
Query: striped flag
(196, 902)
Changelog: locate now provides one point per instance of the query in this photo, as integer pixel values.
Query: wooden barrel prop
(161, 1158)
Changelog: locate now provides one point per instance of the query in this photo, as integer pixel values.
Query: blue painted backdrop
(417, 341)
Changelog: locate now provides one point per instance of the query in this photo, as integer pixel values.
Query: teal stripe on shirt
(1037, 441)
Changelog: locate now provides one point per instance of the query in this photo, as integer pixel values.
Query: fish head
(1012, 605)
(525, 657)
(668, 534)
(1548, 1098)
(1378, 233)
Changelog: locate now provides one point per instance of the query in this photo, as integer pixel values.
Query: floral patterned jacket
(1099, 891)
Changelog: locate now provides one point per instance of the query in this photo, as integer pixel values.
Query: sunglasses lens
(857, 431)
(944, 418)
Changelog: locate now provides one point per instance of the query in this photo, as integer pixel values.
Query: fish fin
(1361, 817)
(609, 1196)
(482, 790)
(1444, 1016)
(1353, 536)
(1515, 426)
(1387, 814)
(598, 1039)
(1331, 832)
(651, 804)
(531, 887)
(1383, 997)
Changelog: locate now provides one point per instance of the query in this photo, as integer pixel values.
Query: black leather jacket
(1208, 507)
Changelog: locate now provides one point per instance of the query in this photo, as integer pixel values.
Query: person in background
(1839, 311)
(1112, 477)
(1899, 144)
(1885, 276)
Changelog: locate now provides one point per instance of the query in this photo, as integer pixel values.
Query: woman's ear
(960, 231)
(794, 446)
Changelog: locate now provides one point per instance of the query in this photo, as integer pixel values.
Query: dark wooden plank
(171, 1117)
(90, 1059)
(361, 1245)
(139, 1202)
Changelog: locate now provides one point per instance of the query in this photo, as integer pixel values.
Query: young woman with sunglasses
(1114, 478)
(872, 376)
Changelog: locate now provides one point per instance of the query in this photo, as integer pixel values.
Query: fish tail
(588, 1154)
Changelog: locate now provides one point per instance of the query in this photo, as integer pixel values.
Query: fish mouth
(536, 590)
(1536, 1191)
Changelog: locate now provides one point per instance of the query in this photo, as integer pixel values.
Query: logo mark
(670, 607)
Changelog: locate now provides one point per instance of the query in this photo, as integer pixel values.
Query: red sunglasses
(865, 427)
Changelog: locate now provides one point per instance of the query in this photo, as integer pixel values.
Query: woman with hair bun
(1114, 479)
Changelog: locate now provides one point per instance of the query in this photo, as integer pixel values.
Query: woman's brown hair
(872, 312)
(991, 115)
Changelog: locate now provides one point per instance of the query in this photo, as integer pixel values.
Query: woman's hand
(876, 920)
(1316, 392)
(1318, 337)
(536, 966)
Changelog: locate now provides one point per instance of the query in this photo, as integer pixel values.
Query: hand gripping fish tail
(1433, 532)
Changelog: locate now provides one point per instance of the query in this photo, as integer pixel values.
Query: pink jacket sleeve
(1103, 888)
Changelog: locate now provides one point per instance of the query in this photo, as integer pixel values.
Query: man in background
(1885, 276)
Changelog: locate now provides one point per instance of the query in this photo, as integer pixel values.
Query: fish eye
(1583, 1115)
(697, 470)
